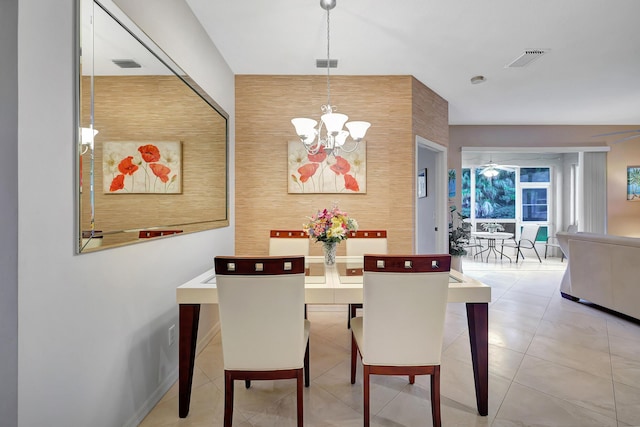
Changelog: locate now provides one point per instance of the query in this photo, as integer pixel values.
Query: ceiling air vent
(322, 63)
(126, 63)
(526, 58)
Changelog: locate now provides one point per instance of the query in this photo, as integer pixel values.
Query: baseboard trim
(168, 382)
(153, 400)
(206, 338)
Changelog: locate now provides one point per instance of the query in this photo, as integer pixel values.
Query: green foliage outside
(495, 197)
(466, 192)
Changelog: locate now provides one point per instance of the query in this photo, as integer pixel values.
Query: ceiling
(590, 74)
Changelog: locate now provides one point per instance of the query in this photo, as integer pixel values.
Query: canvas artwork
(422, 183)
(142, 167)
(326, 173)
(633, 183)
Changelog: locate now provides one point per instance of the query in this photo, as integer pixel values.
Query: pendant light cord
(328, 63)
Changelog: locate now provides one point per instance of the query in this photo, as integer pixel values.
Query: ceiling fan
(492, 169)
(636, 133)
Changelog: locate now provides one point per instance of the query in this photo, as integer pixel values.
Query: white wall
(93, 328)
(427, 205)
(9, 213)
(593, 174)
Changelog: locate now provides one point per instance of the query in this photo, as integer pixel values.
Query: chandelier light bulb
(334, 122)
(305, 128)
(358, 129)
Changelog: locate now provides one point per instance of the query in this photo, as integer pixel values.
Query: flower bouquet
(330, 227)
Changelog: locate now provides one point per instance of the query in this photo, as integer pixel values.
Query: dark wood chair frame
(230, 376)
(289, 234)
(411, 371)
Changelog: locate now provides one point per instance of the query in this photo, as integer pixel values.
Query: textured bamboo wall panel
(430, 114)
(157, 108)
(264, 108)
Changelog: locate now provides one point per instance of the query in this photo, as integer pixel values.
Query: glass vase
(329, 249)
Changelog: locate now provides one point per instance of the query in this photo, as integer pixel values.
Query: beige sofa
(602, 269)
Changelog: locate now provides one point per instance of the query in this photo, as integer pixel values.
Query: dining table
(491, 237)
(340, 283)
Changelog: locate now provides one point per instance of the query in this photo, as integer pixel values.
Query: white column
(592, 215)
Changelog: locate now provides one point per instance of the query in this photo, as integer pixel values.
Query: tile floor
(552, 362)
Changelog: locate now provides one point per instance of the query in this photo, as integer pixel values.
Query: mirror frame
(127, 24)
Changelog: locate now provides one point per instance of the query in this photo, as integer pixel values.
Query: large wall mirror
(152, 146)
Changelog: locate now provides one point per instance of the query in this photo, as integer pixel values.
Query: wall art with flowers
(142, 167)
(326, 173)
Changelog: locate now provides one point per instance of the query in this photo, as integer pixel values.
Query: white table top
(497, 235)
(332, 285)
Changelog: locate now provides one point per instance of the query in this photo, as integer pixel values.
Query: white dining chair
(364, 242)
(288, 242)
(264, 333)
(402, 327)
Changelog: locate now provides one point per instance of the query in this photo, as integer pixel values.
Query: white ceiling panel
(590, 74)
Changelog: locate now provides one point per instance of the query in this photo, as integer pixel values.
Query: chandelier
(331, 122)
(86, 138)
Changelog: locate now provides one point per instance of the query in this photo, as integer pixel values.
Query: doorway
(431, 205)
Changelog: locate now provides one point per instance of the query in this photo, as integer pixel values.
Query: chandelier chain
(328, 63)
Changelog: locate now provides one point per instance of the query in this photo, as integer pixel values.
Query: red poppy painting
(324, 172)
(142, 167)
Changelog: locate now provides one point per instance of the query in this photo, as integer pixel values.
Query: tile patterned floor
(553, 362)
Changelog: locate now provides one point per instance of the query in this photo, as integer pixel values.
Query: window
(495, 197)
(534, 204)
(536, 186)
(535, 175)
(512, 198)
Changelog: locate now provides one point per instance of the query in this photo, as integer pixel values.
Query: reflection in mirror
(152, 152)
